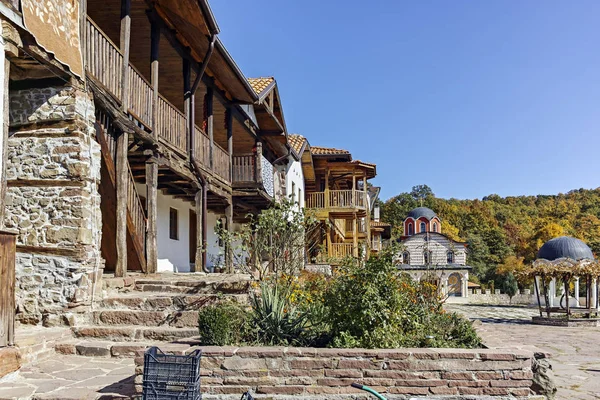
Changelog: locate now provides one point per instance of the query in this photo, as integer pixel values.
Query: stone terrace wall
(53, 171)
(310, 373)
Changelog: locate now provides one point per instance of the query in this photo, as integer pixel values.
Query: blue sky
(468, 97)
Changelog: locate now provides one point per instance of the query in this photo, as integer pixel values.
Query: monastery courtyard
(574, 351)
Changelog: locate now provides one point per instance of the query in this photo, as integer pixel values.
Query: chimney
(376, 214)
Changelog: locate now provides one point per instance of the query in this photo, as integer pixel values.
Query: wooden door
(7, 288)
(193, 234)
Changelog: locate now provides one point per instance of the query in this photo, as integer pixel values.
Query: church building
(429, 254)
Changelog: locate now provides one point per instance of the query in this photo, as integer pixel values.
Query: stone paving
(575, 351)
(71, 377)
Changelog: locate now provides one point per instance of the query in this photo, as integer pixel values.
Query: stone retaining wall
(53, 171)
(309, 373)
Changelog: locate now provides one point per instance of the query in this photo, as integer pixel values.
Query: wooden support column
(154, 46)
(4, 138)
(355, 235)
(121, 229)
(199, 262)
(152, 210)
(187, 101)
(229, 123)
(209, 123)
(326, 193)
(125, 39)
(229, 248)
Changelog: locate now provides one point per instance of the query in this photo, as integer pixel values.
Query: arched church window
(406, 257)
(410, 228)
(435, 227)
(450, 257)
(423, 226)
(427, 257)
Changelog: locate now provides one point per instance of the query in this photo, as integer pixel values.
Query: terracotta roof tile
(296, 141)
(327, 151)
(364, 163)
(260, 84)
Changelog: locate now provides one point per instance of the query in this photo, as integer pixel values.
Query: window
(450, 257)
(406, 257)
(427, 255)
(435, 227)
(423, 226)
(173, 224)
(293, 192)
(410, 229)
(300, 197)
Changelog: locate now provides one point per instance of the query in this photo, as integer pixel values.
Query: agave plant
(278, 321)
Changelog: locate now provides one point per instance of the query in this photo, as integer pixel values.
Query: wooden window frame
(173, 223)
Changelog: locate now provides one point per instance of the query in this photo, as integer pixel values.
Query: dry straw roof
(259, 85)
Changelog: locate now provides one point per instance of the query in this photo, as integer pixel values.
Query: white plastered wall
(295, 177)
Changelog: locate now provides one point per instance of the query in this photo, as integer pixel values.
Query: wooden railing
(244, 168)
(104, 60)
(140, 97)
(376, 245)
(221, 162)
(136, 210)
(171, 124)
(315, 200)
(341, 250)
(202, 145)
(336, 199)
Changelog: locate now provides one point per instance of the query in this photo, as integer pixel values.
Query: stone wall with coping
(53, 172)
(309, 373)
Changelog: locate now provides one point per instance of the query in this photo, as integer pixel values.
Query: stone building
(129, 133)
(428, 254)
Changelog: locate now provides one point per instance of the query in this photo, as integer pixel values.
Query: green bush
(223, 324)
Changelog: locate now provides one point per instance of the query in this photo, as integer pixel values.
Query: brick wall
(327, 373)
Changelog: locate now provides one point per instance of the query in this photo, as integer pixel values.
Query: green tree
(509, 286)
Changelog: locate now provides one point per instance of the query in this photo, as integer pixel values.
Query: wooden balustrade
(244, 168)
(104, 60)
(221, 162)
(171, 124)
(315, 200)
(140, 97)
(336, 199)
(136, 210)
(202, 145)
(341, 250)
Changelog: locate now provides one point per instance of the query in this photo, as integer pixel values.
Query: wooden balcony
(341, 250)
(253, 171)
(337, 199)
(105, 65)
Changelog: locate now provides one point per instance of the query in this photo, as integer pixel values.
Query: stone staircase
(153, 310)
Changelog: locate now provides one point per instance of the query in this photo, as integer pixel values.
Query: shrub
(223, 324)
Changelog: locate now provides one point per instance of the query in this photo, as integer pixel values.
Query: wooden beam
(154, 50)
(209, 124)
(4, 142)
(229, 123)
(125, 37)
(152, 210)
(121, 229)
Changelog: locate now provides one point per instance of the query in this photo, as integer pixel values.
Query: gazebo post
(588, 294)
(566, 285)
(546, 297)
(537, 292)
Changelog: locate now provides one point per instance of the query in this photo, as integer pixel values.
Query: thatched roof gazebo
(566, 260)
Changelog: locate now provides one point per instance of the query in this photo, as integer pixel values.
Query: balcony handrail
(336, 199)
(91, 21)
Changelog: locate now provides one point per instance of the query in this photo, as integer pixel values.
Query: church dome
(565, 247)
(421, 212)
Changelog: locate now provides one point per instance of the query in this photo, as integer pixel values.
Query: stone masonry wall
(53, 171)
(308, 373)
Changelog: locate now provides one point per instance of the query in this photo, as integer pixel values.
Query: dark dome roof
(421, 212)
(567, 247)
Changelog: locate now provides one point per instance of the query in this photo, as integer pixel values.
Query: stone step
(177, 319)
(107, 349)
(131, 333)
(194, 287)
(164, 302)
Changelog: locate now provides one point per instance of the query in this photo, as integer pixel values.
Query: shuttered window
(173, 224)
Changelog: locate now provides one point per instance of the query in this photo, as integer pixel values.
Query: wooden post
(229, 123)
(187, 101)
(229, 248)
(121, 229)
(258, 169)
(326, 194)
(4, 141)
(125, 39)
(353, 190)
(7, 288)
(328, 240)
(199, 262)
(152, 210)
(355, 235)
(209, 124)
(154, 46)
